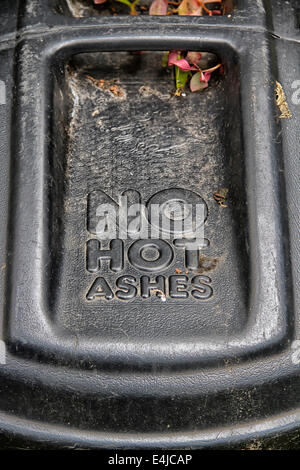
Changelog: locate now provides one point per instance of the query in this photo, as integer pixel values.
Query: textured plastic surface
(214, 362)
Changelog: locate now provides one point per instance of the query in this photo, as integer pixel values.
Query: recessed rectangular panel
(124, 133)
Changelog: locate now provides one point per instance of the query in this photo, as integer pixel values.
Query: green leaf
(196, 84)
(181, 77)
(131, 5)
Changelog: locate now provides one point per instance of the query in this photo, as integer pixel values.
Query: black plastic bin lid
(149, 342)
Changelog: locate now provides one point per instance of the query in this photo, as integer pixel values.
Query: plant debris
(116, 90)
(207, 264)
(110, 85)
(281, 102)
(131, 5)
(187, 64)
(220, 197)
(182, 7)
(160, 294)
(190, 66)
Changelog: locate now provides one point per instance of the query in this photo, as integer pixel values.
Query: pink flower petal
(205, 77)
(184, 65)
(181, 63)
(159, 7)
(98, 2)
(173, 55)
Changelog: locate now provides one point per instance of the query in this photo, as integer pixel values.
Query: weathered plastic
(214, 362)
